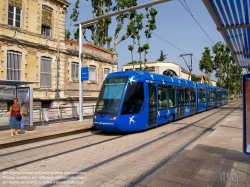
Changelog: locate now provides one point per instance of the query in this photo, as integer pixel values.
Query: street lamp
(93, 21)
(81, 55)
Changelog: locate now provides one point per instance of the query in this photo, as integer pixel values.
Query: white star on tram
(152, 76)
(168, 112)
(163, 82)
(131, 80)
(158, 113)
(179, 81)
(172, 79)
(131, 120)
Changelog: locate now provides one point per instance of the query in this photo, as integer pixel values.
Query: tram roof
(232, 21)
(147, 76)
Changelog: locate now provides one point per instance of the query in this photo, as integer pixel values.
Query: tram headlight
(95, 116)
(112, 118)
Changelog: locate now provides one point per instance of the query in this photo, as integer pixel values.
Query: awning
(15, 83)
(232, 20)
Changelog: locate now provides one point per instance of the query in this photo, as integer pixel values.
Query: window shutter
(16, 3)
(14, 65)
(47, 16)
(45, 80)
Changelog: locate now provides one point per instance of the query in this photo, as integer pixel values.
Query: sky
(178, 32)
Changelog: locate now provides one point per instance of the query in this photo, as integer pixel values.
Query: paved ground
(216, 159)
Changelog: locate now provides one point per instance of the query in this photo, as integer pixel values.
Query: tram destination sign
(84, 73)
(246, 113)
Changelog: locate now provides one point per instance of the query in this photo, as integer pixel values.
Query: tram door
(152, 103)
(193, 99)
(180, 93)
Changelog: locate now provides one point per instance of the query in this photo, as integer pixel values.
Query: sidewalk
(42, 132)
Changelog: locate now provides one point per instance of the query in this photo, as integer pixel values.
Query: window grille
(74, 70)
(92, 73)
(14, 16)
(45, 79)
(14, 65)
(106, 72)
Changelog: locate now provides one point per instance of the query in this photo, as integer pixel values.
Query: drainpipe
(58, 58)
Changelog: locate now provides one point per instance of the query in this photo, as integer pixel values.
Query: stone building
(161, 68)
(33, 48)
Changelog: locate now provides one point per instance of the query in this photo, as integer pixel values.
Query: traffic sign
(84, 73)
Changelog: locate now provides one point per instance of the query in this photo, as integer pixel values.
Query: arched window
(14, 59)
(45, 78)
(170, 73)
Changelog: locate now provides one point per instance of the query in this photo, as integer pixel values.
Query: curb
(45, 137)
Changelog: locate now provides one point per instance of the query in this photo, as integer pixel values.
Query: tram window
(162, 97)
(180, 95)
(218, 95)
(110, 95)
(202, 95)
(187, 96)
(211, 96)
(192, 96)
(171, 92)
(133, 99)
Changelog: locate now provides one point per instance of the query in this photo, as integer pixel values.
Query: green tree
(67, 34)
(139, 27)
(233, 73)
(100, 32)
(162, 57)
(151, 25)
(206, 64)
(194, 78)
(229, 75)
(132, 32)
(129, 16)
(221, 61)
(73, 18)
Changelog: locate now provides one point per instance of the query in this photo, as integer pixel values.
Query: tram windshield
(110, 95)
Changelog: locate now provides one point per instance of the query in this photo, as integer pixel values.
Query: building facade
(161, 68)
(33, 48)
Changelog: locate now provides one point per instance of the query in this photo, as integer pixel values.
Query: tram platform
(43, 132)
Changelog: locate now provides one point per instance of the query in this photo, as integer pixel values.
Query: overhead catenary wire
(189, 11)
(171, 44)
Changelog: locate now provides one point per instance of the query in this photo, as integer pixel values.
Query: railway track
(155, 147)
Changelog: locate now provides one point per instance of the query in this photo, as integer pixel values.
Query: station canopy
(232, 20)
(15, 82)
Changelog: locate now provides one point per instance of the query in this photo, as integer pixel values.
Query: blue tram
(136, 100)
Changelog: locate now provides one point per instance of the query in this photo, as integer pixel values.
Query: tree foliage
(206, 63)
(73, 18)
(150, 26)
(128, 24)
(162, 57)
(223, 64)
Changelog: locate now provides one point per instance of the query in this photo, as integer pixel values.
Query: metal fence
(59, 114)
